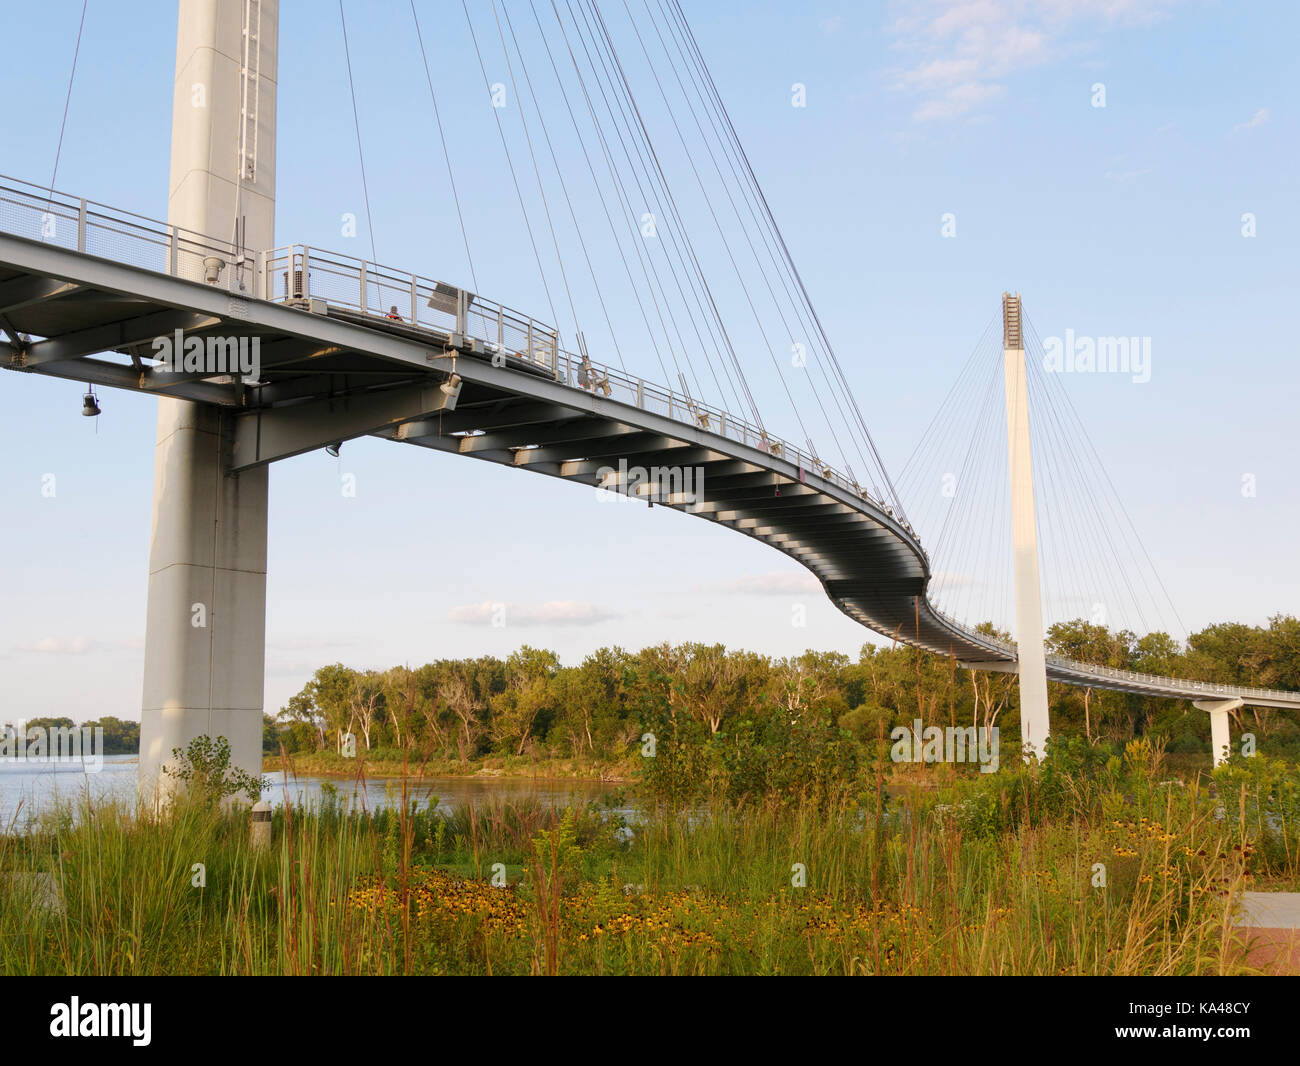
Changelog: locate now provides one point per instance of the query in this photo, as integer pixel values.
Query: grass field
(1123, 869)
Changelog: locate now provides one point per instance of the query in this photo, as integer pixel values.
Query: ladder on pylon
(250, 89)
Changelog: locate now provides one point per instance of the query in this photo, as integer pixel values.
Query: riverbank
(390, 764)
(384, 763)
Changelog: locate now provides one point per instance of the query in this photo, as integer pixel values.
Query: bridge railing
(989, 639)
(82, 225)
(1187, 684)
(300, 273)
(648, 396)
(1134, 678)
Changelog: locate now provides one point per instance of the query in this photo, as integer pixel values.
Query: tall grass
(996, 875)
(185, 893)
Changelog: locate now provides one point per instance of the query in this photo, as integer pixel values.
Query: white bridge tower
(1034, 726)
(205, 637)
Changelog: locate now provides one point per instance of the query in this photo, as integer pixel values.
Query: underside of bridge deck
(328, 375)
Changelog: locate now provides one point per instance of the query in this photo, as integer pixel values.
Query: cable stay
(1093, 564)
(670, 273)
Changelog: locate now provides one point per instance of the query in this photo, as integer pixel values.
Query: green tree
(271, 731)
(1088, 642)
(303, 723)
(120, 737)
(204, 769)
(525, 706)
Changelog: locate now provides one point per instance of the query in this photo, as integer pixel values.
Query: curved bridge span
(456, 372)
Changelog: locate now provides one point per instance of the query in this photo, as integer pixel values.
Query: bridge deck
(458, 374)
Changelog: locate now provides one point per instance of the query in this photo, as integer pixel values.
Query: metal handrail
(1191, 686)
(100, 229)
(124, 236)
(475, 318)
(1166, 682)
(370, 288)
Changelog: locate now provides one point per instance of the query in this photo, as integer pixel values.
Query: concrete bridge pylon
(1034, 725)
(204, 660)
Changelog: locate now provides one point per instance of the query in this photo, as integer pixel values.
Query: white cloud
(939, 72)
(553, 613)
(959, 54)
(1126, 175)
(958, 100)
(567, 612)
(57, 646)
(1259, 118)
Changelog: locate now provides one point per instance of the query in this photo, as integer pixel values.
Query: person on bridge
(393, 315)
(584, 373)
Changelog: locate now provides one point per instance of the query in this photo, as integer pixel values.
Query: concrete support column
(1034, 725)
(206, 632)
(205, 638)
(1220, 739)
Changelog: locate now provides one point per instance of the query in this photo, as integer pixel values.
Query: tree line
(530, 705)
(120, 737)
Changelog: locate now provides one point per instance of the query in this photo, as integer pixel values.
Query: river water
(26, 791)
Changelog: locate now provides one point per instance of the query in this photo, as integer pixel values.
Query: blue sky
(1123, 220)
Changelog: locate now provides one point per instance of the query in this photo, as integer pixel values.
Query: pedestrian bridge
(348, 349)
